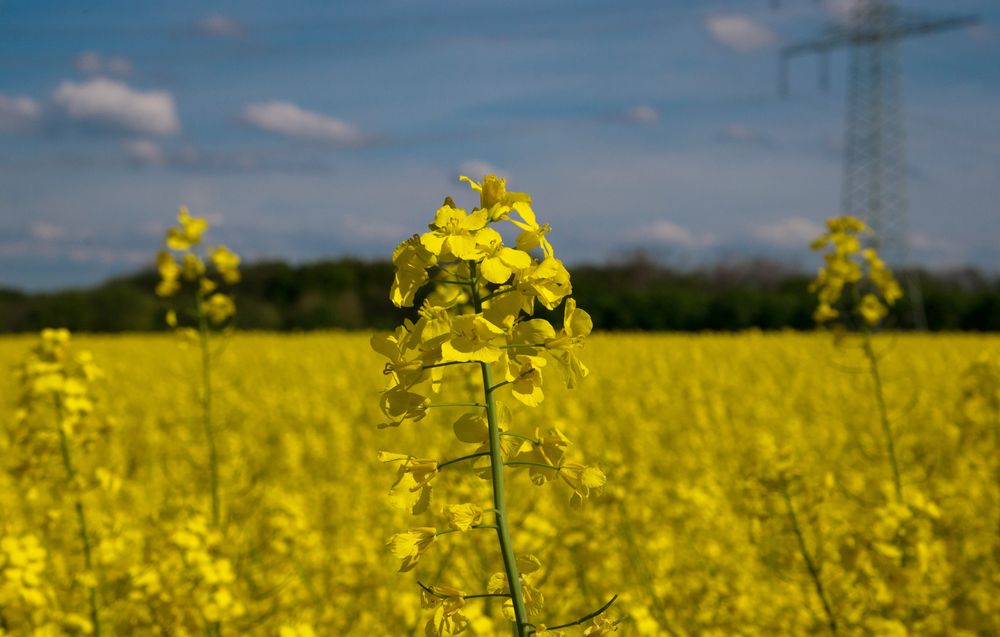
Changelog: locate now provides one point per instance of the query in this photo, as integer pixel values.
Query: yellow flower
(547, 449)
(525, 376)
(219, 307)
(188, 234)
(296, 630)
(410, 545)
(871, 309)
(577, 325)
(582, 479)
(463, 517)
(227, 263)
(847, 264)
(600, 626)
(399, 405)
(410, 260)
(533, 234)
(447, 603)
(170, 271)
(412, 488)
(192, 266)
(453, 234)
(494, 197)
(502, 262)
(548, 282)
(473, 339)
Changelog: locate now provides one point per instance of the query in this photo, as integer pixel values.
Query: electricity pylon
(874, 182)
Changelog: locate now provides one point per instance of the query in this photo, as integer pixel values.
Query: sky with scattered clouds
(309, 130)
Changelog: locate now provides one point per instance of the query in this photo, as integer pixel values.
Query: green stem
(497, 293)
(215, 628)
(577, 622)
(436, 405)
(527, 463)
(459, 459)
(883, 413)
(206, 410)
(432, 366)
(81, 517)
(807, 557)
(510, 434)
(475, 526)
(474, 596)
(499, 492)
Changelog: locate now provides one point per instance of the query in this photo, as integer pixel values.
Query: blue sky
(307, 130)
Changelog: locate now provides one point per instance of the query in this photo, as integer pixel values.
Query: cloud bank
(288, 119)
(739, 33)
(111, 103)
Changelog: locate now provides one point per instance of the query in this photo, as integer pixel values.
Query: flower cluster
(23, 589)
(480, 312)
(53, 376)
(184, 261)
(873, 287)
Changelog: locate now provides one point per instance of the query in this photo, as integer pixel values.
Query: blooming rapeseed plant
(56, 380)
(856, 282)
(480, 314)
(183, 261)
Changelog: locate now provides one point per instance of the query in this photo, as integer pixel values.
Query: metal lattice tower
(874, 182)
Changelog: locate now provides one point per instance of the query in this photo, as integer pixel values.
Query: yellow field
(710, 444)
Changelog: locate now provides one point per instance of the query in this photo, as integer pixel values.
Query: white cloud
(45, 231)
(93, 62)
(286, 118)
(790, 232)
(739, 33)
(642, 114)
(18, 113)
(219, 25)
(144, 151)
(663, 231)
(742, 134)
(475, 169)
(113, 103)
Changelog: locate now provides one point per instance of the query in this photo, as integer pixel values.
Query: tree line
(633, 294)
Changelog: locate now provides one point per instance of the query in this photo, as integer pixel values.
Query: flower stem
(436, 405)
(883, 413)
(461, 458)
(206, 410)
(81, 517)
(499, 493)
(807, 557)
(215, 628)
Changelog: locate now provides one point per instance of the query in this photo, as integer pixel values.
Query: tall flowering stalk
(184, 261)
(55, 377)
(479, 314)
(853, 284)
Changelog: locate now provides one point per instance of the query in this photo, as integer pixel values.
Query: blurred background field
(700, 437)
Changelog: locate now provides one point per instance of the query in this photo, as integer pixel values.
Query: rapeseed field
(700, 438)
(481, 471)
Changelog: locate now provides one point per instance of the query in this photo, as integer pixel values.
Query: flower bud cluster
(183, 260)
(848, 265)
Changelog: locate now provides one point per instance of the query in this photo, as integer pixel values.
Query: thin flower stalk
(81, 515)
(499, 487)
(811, 566)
